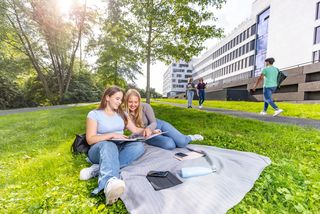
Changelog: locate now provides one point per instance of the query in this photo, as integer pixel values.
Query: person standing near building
(269, 75)
(201, 91)
(190, 92)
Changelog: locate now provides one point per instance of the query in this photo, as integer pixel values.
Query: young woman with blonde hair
(104, 124)
(142, 115)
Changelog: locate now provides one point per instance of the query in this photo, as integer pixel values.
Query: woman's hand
(147, 132)
(118, 136)
(157, 131)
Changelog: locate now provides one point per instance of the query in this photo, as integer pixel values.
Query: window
(189, 71)
(251, 60)
(317, 35)
(315, 57)
(173, 80)
(253, 29)
(318, 11)
(252, 43)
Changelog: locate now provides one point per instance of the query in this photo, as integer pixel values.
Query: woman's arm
(149, 113)
(91, 133)
(132, 127)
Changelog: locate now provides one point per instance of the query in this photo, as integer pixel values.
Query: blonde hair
(136, 116)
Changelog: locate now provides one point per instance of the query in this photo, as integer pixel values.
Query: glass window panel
(317, 35)
(318, 11)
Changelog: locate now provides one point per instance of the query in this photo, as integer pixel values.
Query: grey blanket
(213, 193)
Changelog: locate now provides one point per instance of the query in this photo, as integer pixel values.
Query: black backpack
(281, 77)
(80, 145)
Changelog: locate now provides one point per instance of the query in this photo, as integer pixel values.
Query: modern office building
(288, 30)
(175, 78)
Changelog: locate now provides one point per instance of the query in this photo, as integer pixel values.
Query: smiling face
(133, 103)
(115, 100)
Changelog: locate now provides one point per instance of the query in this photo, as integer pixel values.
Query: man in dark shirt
(201, 91)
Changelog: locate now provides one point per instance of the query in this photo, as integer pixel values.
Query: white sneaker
(113, 190)
(263, 113)
(89, 172)
(277, 112)
(196, 137)
(200, 106)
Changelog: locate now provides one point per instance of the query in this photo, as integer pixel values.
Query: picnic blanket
(214, 193)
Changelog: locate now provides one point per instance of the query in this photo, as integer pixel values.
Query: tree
(48, 38)
(171, 30)
(118, 57)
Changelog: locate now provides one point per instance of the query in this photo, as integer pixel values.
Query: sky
(233, 13)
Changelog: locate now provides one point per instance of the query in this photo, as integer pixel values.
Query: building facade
(175, 78)
(287, 30)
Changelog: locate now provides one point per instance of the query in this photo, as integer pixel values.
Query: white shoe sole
(276, 114)
(114, 194)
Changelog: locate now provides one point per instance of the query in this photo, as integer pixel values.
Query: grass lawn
(311, 111)
(38, 173)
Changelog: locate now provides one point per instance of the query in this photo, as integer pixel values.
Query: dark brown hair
(110, 92)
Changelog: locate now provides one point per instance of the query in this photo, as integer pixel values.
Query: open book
(134, 138)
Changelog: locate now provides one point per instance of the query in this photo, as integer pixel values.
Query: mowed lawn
(38, 173)
(300, 110)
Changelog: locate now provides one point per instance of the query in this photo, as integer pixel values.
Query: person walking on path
(201, 91)
(190, 92)
(269, 75)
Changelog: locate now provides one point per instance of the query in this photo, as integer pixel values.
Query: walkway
(21, 110)
(267, 118)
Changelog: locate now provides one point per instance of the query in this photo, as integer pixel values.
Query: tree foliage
(48, 38)
(118, 56)
(171, 30)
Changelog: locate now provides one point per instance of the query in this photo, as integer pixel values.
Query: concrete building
(175, 78)
(288, 30)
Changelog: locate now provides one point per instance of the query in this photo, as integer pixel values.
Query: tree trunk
(148, 61)
(116, 73)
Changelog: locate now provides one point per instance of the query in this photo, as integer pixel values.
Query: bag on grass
(281, 77)
(80, 144)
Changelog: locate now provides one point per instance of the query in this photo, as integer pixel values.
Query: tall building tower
(175, 78)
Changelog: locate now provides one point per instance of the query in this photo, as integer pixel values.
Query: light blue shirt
(106, 123)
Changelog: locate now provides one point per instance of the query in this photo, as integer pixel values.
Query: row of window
(234, 42)
(177, 86)
(241, 64)
(180, 80)
(175, 70)
(180, 65)
(229, 57)
(180, 75)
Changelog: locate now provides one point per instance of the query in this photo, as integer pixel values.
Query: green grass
(39, 174)
(311, 111)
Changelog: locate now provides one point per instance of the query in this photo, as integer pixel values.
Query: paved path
(21, 110)
(266, 118)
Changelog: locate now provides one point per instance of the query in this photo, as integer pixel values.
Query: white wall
(291, 31)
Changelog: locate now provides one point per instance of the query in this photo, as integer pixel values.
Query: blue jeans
(111, 157)
(267, 94)
(170, 140)
(201, 96)
(190, 95)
